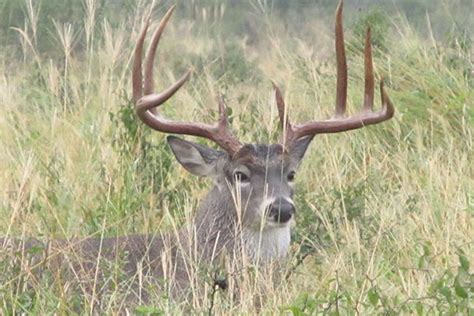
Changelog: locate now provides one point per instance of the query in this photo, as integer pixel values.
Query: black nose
(281, 210)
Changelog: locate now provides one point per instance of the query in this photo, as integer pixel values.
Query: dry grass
(385, 214)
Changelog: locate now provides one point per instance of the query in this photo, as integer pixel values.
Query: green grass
(385, 214)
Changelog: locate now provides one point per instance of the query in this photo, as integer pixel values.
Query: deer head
(262, 174)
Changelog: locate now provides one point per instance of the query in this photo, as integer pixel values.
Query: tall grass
(385, 214)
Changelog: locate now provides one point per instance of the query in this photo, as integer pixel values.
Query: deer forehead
(261, 157)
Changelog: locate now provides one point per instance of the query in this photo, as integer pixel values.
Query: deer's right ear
(197, 159)
(299, 147)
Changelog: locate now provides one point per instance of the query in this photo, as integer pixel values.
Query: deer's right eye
(240, 176)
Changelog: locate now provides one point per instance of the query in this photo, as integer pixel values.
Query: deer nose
(281, 210)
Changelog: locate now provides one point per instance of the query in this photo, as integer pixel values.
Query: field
(385, 214)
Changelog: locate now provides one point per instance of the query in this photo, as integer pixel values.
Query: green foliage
(146, 165)
(449, 294)
(228, 65)
(145, 310)
(303, 305)
(377, 20)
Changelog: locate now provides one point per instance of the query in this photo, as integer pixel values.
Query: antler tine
(282, 113)
(151, 101)
(341, 91)
(285, 123)
(150, 57)
(223, 119)
(340, 123)
(137, 79)
(222, 134)
(145, 105)
(387, 107)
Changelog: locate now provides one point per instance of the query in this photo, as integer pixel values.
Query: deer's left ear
(300, 146)
(195, 158)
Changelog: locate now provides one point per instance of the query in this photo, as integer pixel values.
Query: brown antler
(340, 123)
(146, 101)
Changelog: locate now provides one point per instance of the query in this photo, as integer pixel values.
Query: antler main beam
(146, 101)
(340, 123)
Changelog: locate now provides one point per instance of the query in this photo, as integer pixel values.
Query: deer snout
(281, 210)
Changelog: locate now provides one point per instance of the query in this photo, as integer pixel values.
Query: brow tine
(149, 83)
(341, 92)
(387, 106)
(369, 74)
(223, 119)
(137, 79)
(282, 111)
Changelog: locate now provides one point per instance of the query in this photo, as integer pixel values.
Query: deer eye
(240, 176)
(291, 176)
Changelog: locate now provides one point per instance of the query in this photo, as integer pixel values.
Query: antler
(146, 101)
(339, 123)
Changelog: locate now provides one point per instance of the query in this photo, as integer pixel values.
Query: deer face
(259, 179)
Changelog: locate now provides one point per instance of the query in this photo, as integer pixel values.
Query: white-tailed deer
(249, 210)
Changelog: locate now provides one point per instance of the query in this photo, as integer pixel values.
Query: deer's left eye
(242, 177)
(291, 176)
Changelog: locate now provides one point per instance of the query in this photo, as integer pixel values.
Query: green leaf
(419, 308)
(148, 310)
(422, 262)
(295, 311)
(464, 263)
(459, 289)
(373, 296)
(36, 249)
(445, 291)
(426, 250)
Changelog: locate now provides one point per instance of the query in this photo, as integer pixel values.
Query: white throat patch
(269, 243)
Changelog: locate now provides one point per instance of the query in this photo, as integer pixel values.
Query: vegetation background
(385, 214)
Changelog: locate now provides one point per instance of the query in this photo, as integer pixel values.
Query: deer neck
(215, 221)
